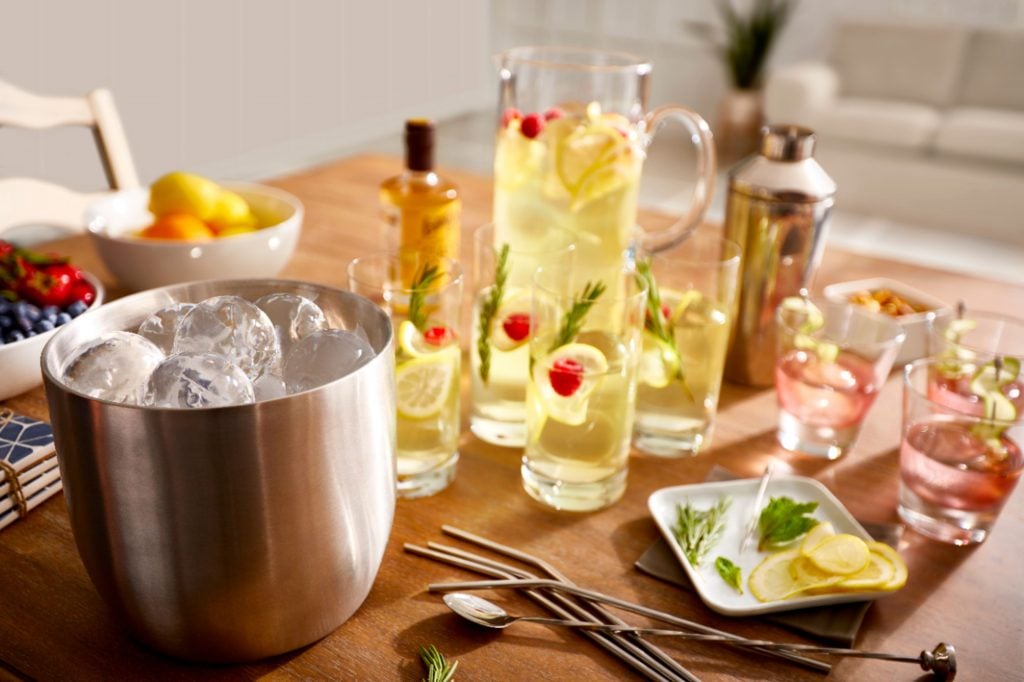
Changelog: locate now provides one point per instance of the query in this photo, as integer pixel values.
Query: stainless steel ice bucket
(231, 534)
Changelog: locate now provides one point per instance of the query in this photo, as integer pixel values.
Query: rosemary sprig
(573, 320)
(438, 667)
(488, 309)
(656, 324)
(697, 531)
(420, 286)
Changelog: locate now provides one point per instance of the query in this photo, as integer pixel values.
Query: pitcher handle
(700, 134)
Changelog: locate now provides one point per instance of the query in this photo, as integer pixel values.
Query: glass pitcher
(571, 143)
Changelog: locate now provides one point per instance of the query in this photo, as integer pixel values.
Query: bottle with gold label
(420, 207)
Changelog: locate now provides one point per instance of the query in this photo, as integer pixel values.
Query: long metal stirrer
(664, 663)
(604, 640)
(603, 614)
(626, 605)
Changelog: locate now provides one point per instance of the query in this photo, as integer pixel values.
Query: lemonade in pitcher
(579, 171)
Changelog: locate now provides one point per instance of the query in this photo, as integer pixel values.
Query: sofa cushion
(913, 63)
(990, 134)
(993, 72)
(886, 122)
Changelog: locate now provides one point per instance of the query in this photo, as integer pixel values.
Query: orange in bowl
(178, 226)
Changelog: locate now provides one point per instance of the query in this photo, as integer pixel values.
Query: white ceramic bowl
(916, 326)
(19, 361)
(139, 263)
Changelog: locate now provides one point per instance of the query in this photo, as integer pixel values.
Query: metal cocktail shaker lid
(784, 168)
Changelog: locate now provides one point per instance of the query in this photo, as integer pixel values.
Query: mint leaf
(783, 521)
(730, 572)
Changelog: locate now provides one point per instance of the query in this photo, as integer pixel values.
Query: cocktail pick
(752, 525)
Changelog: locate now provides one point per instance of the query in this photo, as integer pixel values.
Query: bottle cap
(419, 144)
(787, 142)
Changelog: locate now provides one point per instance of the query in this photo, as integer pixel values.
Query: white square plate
(714, 591)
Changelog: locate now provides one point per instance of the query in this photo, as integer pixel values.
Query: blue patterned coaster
(23, 440)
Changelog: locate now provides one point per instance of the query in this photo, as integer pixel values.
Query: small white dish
(715, 592)
(917, 326)
(140, 263)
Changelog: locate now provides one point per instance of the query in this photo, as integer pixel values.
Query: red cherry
(566, 376)
(439, 336)
(666, 312)
(553, 113)
(510, 114)
(517, 326)
(532, 125)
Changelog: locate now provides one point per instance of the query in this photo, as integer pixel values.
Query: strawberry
(510, 114)
(439, 336)
(532, 125)
(517, 326)
(566, 376)
(553, 113)
(44, 288)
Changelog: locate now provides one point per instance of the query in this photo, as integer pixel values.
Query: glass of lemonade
(499, 352)
(833, 357)
(581, 393)
(957, 467)
(686, 332)
(425, 316)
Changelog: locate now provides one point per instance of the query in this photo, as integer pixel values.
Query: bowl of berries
(38, 294)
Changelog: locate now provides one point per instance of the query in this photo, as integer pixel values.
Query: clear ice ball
(324, 356)
(269, 386)
(234, 328)
(161, 326)
(198, 380)
(294, 317)
(114, 367)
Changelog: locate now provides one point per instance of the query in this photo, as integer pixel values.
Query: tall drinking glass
(425, 316)
(832, 360)
(581, 395)
(686, 333)
(499, 352)
(957, 469)
(570, 148)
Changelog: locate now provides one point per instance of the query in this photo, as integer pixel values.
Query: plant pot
(738, 124)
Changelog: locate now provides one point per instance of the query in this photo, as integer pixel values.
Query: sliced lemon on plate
(772, 579)
(875, 575)
(821, 532)
(565, 380)
(899, 578)
(423, 384)
(841, 554)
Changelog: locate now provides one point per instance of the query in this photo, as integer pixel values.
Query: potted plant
(743, 40)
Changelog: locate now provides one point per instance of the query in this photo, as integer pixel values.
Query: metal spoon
(941, 660)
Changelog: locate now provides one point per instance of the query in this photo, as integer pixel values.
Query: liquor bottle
(420, 207)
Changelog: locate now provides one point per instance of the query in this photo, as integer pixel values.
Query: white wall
(238, 88)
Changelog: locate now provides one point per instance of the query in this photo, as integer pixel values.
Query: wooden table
(54, 626)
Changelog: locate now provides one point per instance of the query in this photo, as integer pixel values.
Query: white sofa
(922, 124)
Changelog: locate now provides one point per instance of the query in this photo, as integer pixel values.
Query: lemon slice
(815, 537)
(569, 409)
(875, 575)
(772, 580)
(584, 151)
(841, 555)
(900, 573)
(423, 384)
(659, 363)
(813, 578)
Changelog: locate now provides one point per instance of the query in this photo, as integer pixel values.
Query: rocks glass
(959, 462)
(832, 360)
(580, 398)
(685, 337)
(425, 315)
(499, 351)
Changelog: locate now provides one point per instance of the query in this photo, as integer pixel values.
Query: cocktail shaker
(780, 201)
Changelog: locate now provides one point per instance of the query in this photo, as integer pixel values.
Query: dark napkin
(837, 624)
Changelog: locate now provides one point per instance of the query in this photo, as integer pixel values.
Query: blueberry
(50, 312)
(6, 322)
(42, 326)
(6, 306)
(23, 323)
(14, 335)
(76, 308)
(27, 310)
(62, 318)
(31, 333)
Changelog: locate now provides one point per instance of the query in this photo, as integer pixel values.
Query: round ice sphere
(234, 328)
(294, 317)
(324, 356)
(198, 380)
(269, 386)
(161, 326)
(114, 367)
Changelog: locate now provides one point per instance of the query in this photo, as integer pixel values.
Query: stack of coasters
(28, 466)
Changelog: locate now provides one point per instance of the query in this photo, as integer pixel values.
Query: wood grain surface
(53, 624)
